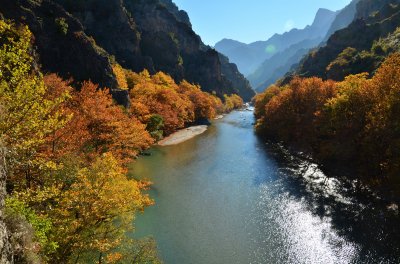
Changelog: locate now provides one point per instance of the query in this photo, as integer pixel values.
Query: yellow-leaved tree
(30, 117)
(71, 200)
(27, 119)
(97, 209)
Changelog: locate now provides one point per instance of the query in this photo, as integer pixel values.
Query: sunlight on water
(305, 237)
(225, 197)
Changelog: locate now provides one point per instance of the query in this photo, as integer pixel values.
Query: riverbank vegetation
(66, 150)
(354, 123)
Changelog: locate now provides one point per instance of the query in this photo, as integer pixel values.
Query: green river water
(226, 197)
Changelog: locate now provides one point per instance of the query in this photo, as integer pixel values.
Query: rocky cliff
(5, 245)
(351, 46)
(231, 72)
(83, 38)
(343, 18)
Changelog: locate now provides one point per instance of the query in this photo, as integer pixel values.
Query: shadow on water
(354, 212)
(226, 197)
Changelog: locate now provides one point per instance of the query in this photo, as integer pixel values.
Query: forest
(65, 147)
(349, 124)
(91, 89)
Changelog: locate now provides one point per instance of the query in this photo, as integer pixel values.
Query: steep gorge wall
(138, 34)
(373, 20)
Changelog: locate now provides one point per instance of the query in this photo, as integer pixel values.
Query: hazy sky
(251, 20)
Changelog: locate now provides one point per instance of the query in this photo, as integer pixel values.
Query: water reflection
(351, 221)
(226, 197)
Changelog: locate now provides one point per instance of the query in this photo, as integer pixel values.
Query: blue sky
(251, 20)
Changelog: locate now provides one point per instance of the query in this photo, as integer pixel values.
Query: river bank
(183, 135)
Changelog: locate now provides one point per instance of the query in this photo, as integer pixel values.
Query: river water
(226, 197)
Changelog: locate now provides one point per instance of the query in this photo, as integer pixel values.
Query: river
(226, 197)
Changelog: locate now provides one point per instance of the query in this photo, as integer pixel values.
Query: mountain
(357, 48)
(231, 72)
(83, 39)
(244, 56)
(276, 66)
(226, 45)
(343, 18)
(249, 57)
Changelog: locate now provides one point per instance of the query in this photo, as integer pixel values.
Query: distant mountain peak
(249, 57)
(228, 39)
(229, 42)
(359, 25)
(323, 15)
(324, 11)
(226, 45)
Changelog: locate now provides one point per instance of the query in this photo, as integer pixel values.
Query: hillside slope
(83, 39)
(243, 55)
(343, 18)
(278, 65)
(354, 49)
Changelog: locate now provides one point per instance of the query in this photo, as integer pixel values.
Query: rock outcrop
(343, 18)
(82, 39)
(5, 246)
(373, 20)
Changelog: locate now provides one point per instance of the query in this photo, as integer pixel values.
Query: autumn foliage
(159, 95)
(67, 158)
(119, 73)
(178, 104)
(232, 102)
(354, 122)
(69, 197)
(96, 210)
(96, 125)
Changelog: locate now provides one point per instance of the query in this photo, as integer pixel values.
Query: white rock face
(5, 247)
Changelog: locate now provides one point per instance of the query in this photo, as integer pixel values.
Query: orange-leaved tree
(291, 115)
(97, 125)
(203, 102)
(382, 142)
(232, 102)
(158, 94)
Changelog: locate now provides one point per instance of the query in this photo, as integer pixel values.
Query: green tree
(155, 125)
